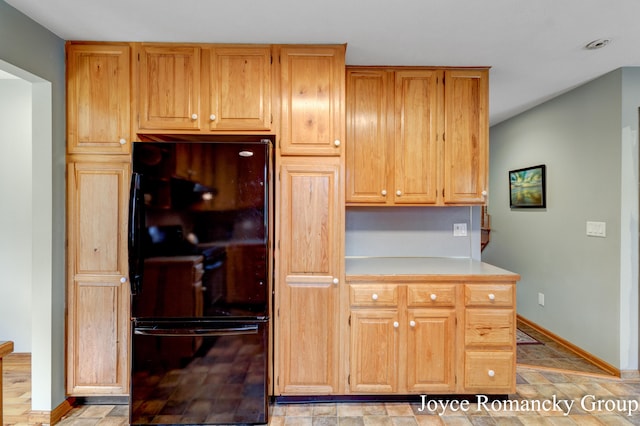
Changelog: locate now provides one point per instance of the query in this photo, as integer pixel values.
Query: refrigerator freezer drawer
(208, 374)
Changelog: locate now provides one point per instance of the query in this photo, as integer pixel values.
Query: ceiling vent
(597, 44)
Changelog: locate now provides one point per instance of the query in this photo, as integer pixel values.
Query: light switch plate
(597, 229)
(459, 229)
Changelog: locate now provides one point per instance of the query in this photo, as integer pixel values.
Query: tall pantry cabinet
(310, 200)
(98, 170)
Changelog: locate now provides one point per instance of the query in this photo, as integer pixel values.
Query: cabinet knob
(398, 193)
(383, 192)
(212, 117)
(491, 373)
(412, 323)
(203, 289)
(433, 296)
(484, 193)
(122, 141)
(492, 296)
(337, 142)
(396, 324)
(336, 281)
(123, 280)
(374, 296)
(194, 116)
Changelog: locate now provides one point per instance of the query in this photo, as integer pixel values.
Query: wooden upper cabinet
(466, 136)
(98, 99)
(369, 148)
(240, 88)
(416, 161)
(312, 83)
(169, 88)
(416, 136)
(392, 122)
(204, 88)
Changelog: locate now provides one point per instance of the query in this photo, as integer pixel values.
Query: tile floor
(551, 354)
(538, 387)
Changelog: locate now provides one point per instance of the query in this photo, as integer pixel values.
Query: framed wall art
(527, 187)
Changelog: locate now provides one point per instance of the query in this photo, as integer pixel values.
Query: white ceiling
(535, 48)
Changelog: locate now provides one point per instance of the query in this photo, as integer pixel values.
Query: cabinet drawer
(493, 327)
(374, 295)
(489, 295)
(429, 295)
(489, 371)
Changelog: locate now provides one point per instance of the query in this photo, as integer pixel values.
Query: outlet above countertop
(442, 268)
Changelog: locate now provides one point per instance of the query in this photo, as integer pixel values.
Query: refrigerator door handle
(199, 332)
(136, 226)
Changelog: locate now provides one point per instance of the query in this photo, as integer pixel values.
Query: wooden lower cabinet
(431, 337)
(400, 350)
(98, 288)
(489, 338)
(310, 267)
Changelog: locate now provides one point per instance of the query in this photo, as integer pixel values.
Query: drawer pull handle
(492, 296)
(491, 373)
(396, 324)
(374, 296)
(412, 323)
(433, 296)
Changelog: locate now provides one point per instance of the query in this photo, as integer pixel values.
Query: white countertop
(438, 266)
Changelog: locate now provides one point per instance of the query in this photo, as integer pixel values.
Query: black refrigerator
(200, 268)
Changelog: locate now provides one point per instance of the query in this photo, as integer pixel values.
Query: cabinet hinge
(271, 59)
(349, 379)
(349, 320)
(271, 118)
(138, 57)
(443, 139)
(442, 192)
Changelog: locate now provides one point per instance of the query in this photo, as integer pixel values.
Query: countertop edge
(406, 269)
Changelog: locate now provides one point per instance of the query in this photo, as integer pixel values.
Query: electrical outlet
(459, 229)
(541, 299)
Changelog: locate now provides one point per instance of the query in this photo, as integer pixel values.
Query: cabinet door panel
(98, 99)
(312, 84)
(431, 350)
(240, 88)
(98, 337)
(416, 98)
(310, 241)
(169, 88)
(466, 136)
(98, 193)
(98, 291)
(374, 351)
(369, 150)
